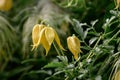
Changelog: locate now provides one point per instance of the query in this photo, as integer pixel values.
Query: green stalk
(91, 53)
(60, 54)
(113, 37)
(56, 49)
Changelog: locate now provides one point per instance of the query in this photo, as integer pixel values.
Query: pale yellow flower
(5, 5)
(74, 46)
(117, 4)
(117, 76)
(36, 34)
(44, 35)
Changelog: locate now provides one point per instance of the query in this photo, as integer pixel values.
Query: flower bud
(117, 4)
(117, 75)
(5, 5)
(74, 46)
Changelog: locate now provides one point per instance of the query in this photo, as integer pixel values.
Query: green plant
(94, 22)
(99, 52)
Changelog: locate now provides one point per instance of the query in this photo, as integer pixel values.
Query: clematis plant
(5, 5)
(44, 35)
(74, 46)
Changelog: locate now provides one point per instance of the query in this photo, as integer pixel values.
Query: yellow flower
(117, 76)
(5, 5)
(117, 4)
(44, 35)
(74, 46)
(36, 34)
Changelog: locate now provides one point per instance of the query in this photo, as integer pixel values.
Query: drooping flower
(36, 34)
(44, 35)
(74, 46)
(5, 5)
(117, 4)
(117, 75)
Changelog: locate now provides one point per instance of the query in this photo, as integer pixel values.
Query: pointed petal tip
(76, 57)
(46, 53)
(63, 48)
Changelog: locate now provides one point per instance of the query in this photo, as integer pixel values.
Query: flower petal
(36, 35)
(75, 43)
(70, 45)
(74, 46)
(5, 5)
(49, 34)
(76, 57)
(118, 4)
(117, 75)
(44, 41)
(58, 40)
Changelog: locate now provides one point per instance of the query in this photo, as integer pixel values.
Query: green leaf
(19, 70)
(98, 77)
(86, 32)
(59, 72)
(40, 71)
(92, 40)
(54, 65)
(118, 40)
(108, 22)
(28, 60)
(93, 22)
(78, 28)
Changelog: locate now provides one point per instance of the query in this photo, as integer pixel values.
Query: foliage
(96, 23)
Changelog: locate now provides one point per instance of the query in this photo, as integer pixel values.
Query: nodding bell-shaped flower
(117, 4)
(36, 35)
(5, 5)
(44, 35)
(74, 46)
(117, 75)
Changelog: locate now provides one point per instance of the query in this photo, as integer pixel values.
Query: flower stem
(91, 53)
(56, 49)
(62, 56)
(113, 37)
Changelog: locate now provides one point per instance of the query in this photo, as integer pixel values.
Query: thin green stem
(62, 52)
(86, 45)
(91, 53)
(62, 56)
(56, 49)
(113, 37)
(92, 28)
